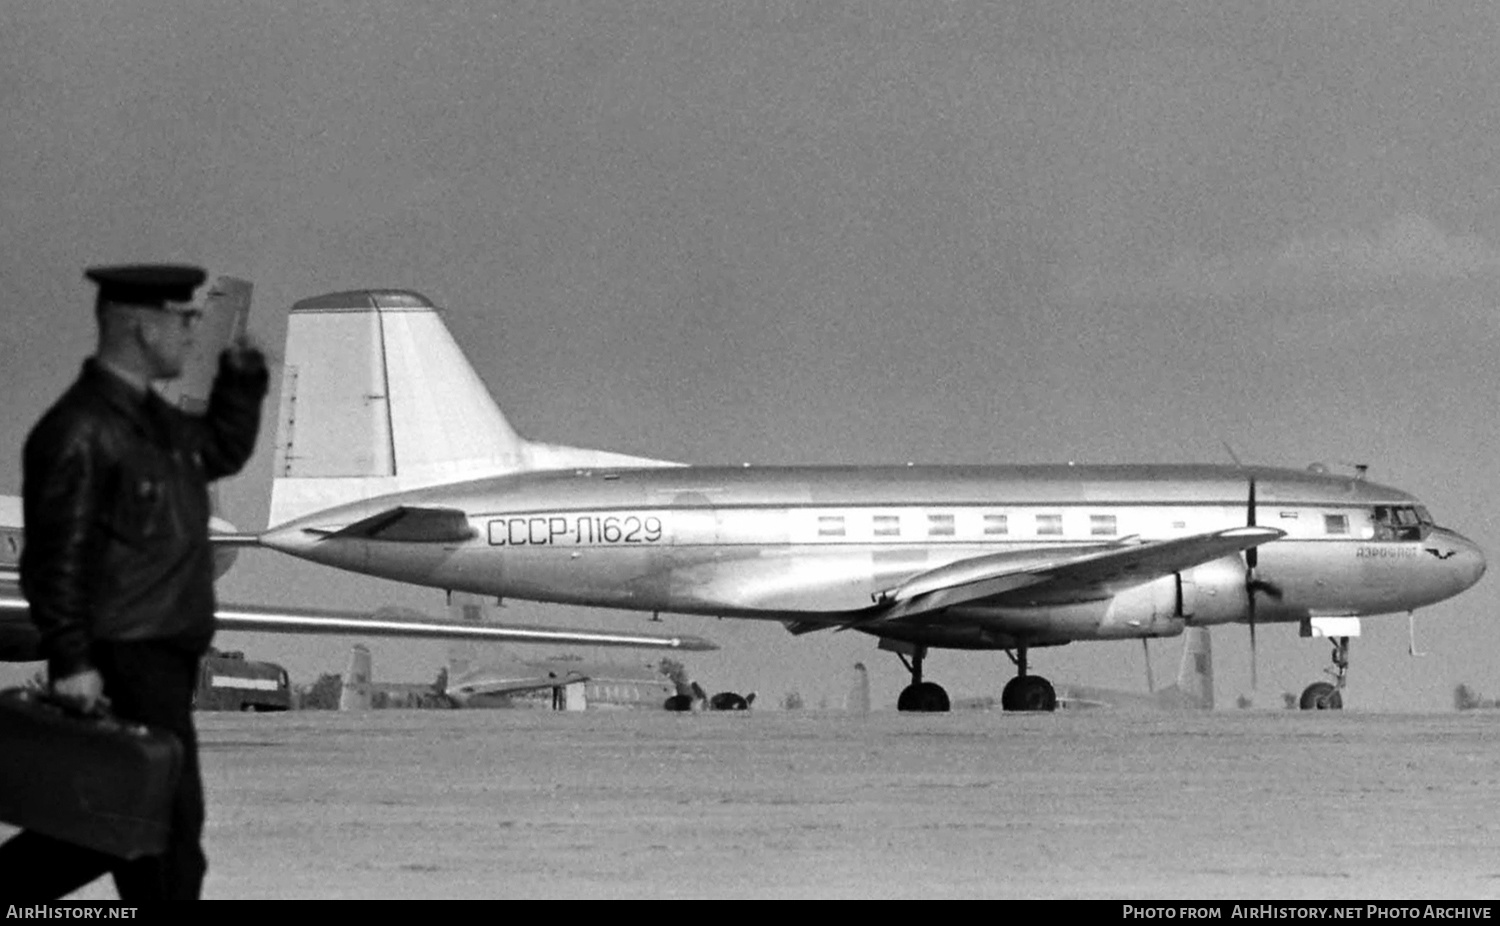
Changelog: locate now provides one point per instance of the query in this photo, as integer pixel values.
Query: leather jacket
(116, 507)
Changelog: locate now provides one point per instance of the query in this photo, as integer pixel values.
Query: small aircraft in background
(1193, 690)
(501, 677)
(393, 460)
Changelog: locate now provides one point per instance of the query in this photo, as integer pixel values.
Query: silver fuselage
(798, 543)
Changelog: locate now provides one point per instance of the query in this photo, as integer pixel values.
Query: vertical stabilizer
(355, 695)
(1195, 678)
(463, 655)
(377, 397)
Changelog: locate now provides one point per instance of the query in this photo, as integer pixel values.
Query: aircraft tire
(1028, 693)
(728, 701)
(923, 698)
(1322, 696)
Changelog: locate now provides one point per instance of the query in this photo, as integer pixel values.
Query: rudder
(377, 397)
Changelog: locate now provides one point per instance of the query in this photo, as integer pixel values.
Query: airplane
(393, 460)
(573, 682)
(508, 680)
(225, 307)
(1193, 690)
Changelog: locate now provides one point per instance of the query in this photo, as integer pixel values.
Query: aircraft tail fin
(355, 695)
(1195, 677)
(377, 397)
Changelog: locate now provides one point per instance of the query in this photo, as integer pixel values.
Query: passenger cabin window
(996, 525)
(1102, 525)
(940, 525)
(831, 525)
(1049, 525)
(887, 525)
(1335, 524)
(1399, 523)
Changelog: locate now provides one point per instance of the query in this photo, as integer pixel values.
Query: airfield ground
(502, 804)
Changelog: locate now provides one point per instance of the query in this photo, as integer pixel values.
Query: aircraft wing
(19, 640)
(1082, 571)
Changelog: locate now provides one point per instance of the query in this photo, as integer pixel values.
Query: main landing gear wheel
(920, 696)
(1322, 696)
(1028, 693)
(923, 697)
(1328, 696)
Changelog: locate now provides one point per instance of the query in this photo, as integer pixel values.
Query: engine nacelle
(1214, 593)
(1149, 610)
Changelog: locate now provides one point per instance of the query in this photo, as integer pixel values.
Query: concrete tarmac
(811, 804)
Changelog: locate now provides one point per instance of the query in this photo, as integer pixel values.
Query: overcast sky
(816, 233)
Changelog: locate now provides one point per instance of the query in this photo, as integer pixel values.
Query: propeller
(1254, 584)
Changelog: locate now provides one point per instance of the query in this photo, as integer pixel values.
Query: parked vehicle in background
(227, 681)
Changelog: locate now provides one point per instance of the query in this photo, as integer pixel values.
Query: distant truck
(230, 682)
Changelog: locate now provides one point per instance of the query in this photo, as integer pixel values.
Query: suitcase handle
(101, 713)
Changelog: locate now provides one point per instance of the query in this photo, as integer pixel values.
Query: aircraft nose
(1467, 560)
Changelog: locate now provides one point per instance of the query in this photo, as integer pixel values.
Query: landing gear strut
(1026, 692)
(925, 697)
(1326, 696)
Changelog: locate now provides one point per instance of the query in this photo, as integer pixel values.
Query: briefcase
(91, 780)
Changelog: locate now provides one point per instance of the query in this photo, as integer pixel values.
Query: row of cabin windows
(944, 525)
(998, 525)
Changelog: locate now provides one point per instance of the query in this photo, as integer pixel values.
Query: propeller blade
(1252, 558)
(1254, 680)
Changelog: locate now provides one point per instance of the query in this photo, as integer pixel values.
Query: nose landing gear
(1328, 696)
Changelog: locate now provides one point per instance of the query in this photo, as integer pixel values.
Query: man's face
(167, 335)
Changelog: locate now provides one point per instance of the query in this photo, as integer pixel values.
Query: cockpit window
(1394, 522)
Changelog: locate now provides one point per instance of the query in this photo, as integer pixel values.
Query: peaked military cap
(147, 284)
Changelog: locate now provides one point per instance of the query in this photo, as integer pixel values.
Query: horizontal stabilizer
(403, 622)
(405, 524)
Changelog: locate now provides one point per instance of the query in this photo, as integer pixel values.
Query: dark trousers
(147, 682)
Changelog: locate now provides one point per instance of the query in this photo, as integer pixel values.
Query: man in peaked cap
(117, 569)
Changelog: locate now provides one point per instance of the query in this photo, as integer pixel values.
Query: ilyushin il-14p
(392, 459)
